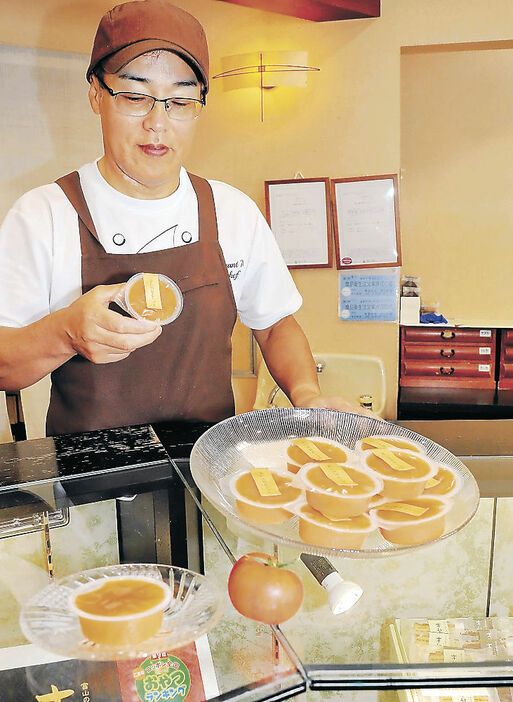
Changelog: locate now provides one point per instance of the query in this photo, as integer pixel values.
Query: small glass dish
(135, 300)
(196, 605)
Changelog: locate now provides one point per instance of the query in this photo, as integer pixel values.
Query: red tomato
(262, 590)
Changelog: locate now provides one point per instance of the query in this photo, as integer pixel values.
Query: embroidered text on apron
(184, 374)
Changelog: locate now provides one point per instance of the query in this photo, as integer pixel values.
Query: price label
(311, 450)
(392, 459)
(265, 482)
(405, 508)
(440, 626)
(437, 640)
(336, 473)
(431, 483)
(377, 443)
(152, 291)
(454, 655)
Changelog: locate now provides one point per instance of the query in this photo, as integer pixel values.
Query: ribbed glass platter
(258, 438)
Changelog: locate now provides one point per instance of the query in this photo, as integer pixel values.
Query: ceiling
(316, 10)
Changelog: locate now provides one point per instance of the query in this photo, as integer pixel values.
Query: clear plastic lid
(270, 502)
(97, 584)
(401, 476)
(303, 479)
(134, 299)
(359, 524)
(422, 501)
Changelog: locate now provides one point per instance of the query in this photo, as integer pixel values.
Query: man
(66, 250)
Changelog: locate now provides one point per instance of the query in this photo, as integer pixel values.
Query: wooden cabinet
(448, 358)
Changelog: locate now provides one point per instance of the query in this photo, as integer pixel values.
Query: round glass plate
(195, 607)
(241, 442)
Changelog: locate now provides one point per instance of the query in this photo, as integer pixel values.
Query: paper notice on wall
(369, 296)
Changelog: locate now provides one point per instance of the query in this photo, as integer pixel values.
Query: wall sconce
(272, 68)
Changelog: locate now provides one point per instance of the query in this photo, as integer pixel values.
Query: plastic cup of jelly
(120, 610)
(274, 509)
(337, 501)
(170, 294)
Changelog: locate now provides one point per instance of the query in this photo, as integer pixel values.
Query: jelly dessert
(144, 301)
(318, 530)
(404, 473)
(446, 483)
(262, 495)
(388, 441)
(413, 521)
(301, 451)
(338, 490)
(121, 610)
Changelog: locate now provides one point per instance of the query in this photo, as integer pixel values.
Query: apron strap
(207, 219)
(70, 185)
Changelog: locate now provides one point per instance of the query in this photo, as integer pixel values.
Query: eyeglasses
(138, 104)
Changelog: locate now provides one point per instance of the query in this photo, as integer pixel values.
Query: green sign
(162, 677)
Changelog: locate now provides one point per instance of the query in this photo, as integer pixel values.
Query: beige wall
(346, 123)
(457, 156)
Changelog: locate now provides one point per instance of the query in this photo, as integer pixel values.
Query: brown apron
(186, 373)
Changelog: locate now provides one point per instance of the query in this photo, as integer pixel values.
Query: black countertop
(70, 468)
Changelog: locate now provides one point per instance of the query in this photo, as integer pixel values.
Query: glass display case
(430, 623)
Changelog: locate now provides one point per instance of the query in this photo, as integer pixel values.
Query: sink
(344, 374)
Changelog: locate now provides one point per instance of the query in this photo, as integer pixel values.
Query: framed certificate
(298, 212)
(366, 221)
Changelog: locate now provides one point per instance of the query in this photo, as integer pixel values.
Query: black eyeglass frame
(202, 101)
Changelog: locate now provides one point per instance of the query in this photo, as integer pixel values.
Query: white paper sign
(298, 219)
(366, 222)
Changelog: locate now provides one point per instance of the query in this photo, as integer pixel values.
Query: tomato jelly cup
(135, 301)
(272, 509)
(120, 610)
(412, 522)
(409, 479)
(318, 530)
(336, 500)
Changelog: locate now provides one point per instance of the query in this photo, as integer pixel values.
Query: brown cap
(139, 26)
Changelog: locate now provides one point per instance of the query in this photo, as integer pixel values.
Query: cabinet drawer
(446, 352)
(457, 369)
(506, 374)
(507, 337)
(507, 353)
(506, 370)
(482, 337)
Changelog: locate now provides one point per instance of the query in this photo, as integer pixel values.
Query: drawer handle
(448, 334)
(448, 354)
(446, 371)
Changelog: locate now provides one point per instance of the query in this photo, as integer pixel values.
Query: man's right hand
(101, 335)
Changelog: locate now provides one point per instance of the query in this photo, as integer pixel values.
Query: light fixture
(271, 68)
